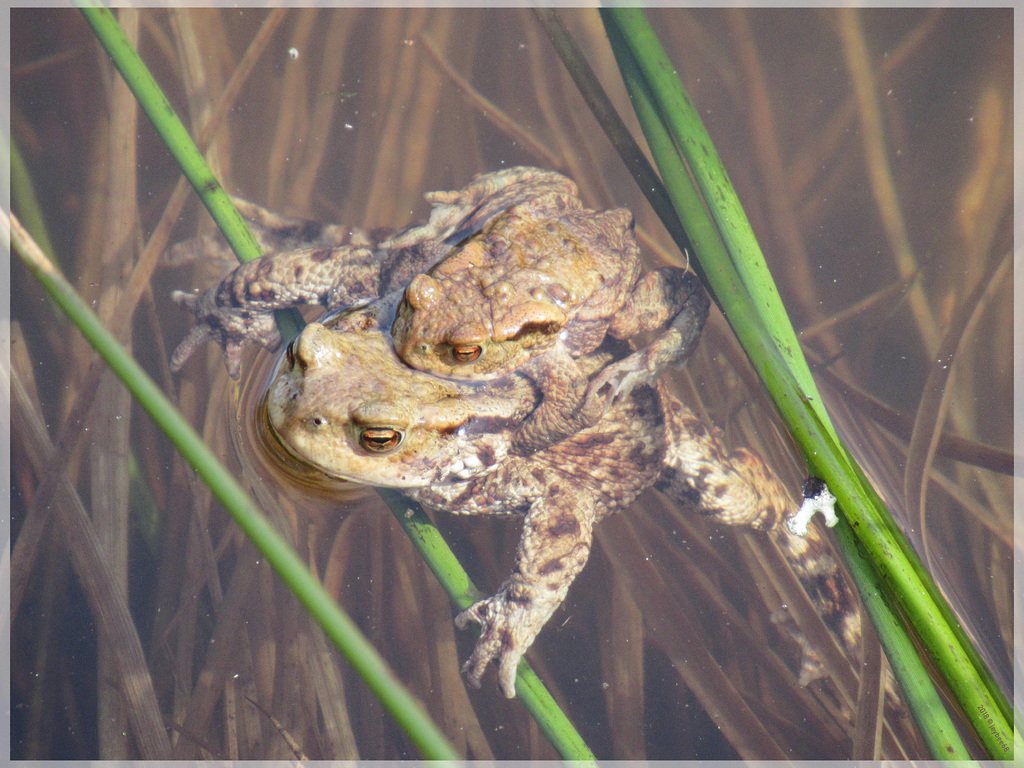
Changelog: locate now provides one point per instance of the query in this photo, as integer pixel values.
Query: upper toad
(521, 276)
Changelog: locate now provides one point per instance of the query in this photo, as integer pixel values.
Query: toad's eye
(289, 353)
(466, 353)
(380, 439)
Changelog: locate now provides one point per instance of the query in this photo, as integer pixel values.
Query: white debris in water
(818, 499)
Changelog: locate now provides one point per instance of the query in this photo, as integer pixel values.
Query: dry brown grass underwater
(876, 170)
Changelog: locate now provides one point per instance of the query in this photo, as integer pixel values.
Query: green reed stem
(407, 711)
(179, 143)
(594, 95)
(174, 135)
(751, 303)
(338, 627)
(25, 201)
(925, 703)
(712, 251)
(437, 555)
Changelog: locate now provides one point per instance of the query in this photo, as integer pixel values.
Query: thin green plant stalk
(174, 135)
(439, 558)
(359, 652)
(763, 328)
(922, 698)
(687, 202)
(461, 591)
(687, 131)
(25, 201)
(936, 724)
(179, 143)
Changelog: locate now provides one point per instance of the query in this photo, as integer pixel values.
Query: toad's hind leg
(656, 300)
(735, 489)
(274, 233)
(738, 488)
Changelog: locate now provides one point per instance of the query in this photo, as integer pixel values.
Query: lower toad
(345, 404)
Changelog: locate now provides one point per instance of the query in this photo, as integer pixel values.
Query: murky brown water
(882, 248)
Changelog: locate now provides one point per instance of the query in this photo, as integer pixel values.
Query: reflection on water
(876, 171)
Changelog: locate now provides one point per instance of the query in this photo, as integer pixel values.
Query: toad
(344, 403)
(538, 286)
(509, 273)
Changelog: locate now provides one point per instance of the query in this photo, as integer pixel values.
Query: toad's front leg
(668, 296)
(562, 411)
(556, 540)
(239, 309)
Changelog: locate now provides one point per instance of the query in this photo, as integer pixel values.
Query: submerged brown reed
(356, 129)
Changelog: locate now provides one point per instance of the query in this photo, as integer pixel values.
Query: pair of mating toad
(480, 364)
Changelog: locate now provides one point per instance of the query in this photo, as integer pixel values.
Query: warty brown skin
(510, 273)
(539, 285)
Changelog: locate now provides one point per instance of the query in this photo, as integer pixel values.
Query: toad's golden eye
(380, 439)
(466, 353)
